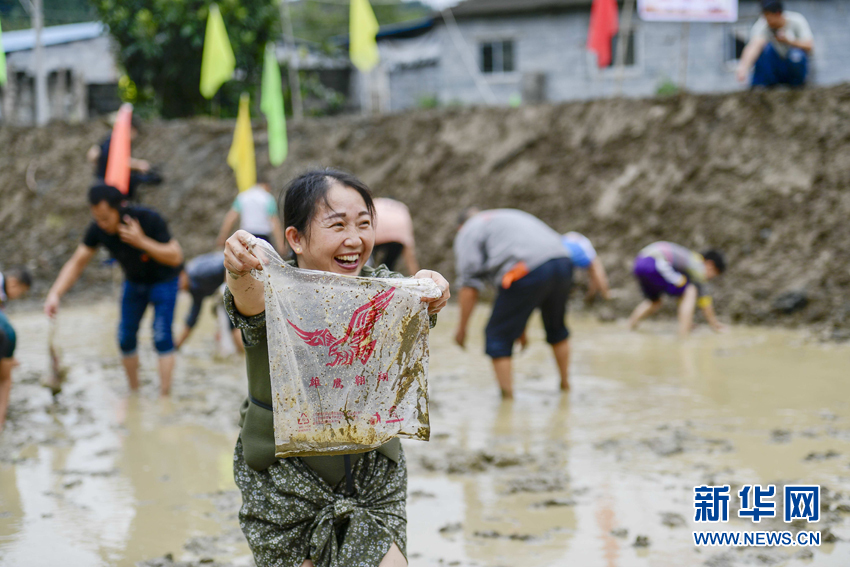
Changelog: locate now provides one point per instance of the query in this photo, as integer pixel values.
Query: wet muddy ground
(602, 476)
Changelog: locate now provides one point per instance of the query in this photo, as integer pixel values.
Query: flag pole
(623, 43)
(466, 56)
(292, 64)
(684, 39)
(41, 113)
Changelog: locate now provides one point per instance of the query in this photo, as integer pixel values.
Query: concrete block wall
(554, 44)
(408, 86)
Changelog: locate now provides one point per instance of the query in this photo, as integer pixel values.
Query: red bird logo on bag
(357, 343)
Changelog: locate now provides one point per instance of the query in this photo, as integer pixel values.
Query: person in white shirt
(779, 48)
(256, 211)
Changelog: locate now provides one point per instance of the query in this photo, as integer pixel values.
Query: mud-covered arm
(383, 272)
(253, 328)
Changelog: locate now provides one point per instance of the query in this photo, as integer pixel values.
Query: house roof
(23, 40)
(412, 28)
(400, 30)
(470, 8)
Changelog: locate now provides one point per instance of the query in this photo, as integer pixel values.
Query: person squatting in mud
(202, 277)
(780, 45)
(139, 239)
(14, 283)
(524, 259)
(664, 268)
(289, 514)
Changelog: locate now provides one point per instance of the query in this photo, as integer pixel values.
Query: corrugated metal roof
(22, 40)
(469, 8)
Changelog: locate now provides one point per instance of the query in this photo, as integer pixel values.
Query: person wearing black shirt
(139, 239)
(140, 169)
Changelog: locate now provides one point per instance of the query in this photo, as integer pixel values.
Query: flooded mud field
(603, 475)
(704, 171)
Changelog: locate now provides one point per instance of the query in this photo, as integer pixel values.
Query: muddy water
(102, 478)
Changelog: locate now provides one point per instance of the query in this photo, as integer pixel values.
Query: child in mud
(13, 284)
(202, 277)
(139, 239)
(524, 259)
(664, 268)
(329, 510)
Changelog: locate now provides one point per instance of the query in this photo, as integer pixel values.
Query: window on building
(497, 57)
(629, 59)
(736, 41)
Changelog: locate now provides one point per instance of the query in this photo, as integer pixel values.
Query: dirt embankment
(762, 176)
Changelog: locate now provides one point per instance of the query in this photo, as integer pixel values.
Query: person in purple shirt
(664, 268)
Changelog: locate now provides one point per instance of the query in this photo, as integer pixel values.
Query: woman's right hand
(239, 258)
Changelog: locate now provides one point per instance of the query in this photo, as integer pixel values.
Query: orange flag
(118, 165)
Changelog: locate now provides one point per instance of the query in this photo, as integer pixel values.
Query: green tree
(323, 22)
(56, 12)
(161, 41)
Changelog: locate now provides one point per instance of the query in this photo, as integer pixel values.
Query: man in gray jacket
(524, 259)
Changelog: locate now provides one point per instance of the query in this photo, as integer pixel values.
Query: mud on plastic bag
(348, 358)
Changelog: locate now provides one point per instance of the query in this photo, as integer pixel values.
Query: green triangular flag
(2, 59)
(218, 61)
(272, 106)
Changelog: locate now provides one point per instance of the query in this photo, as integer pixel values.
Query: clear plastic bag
(348, 358)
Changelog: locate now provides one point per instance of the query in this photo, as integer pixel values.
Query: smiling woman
(344, 232)
(329, 510)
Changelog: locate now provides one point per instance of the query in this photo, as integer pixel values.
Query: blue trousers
(772, 69)
(134, 302)
(7, 337)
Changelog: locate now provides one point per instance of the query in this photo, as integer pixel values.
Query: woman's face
(341, 235)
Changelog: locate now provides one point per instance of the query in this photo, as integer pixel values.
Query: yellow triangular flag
(218, 61)
(363, 49)
(240, 158)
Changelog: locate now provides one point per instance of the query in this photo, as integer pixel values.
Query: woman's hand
(239, 258)
(435, 304)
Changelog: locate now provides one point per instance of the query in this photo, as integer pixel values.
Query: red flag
(118, 165)
(604, 24)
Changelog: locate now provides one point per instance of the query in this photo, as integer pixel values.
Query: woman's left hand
(435, 304)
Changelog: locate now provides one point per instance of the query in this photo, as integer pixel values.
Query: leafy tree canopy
(161, 43)
(323, 21)
(56, 12)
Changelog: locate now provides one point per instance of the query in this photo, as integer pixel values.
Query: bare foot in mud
(507, 394)
(565, 386)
